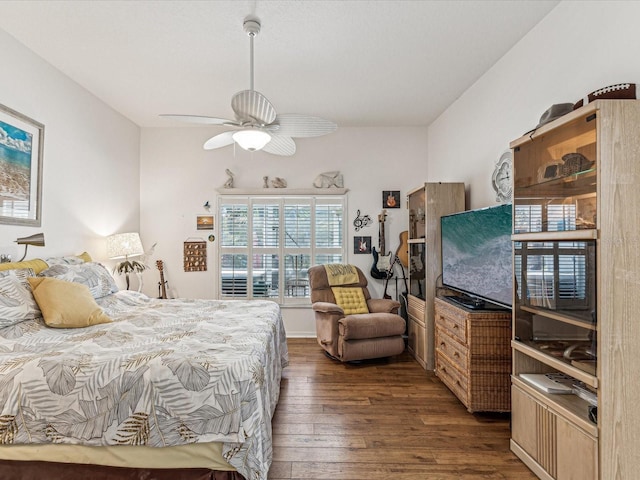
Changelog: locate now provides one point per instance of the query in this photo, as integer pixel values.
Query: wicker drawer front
(452, 378)
(455, 352)
(454, 325)
(490, 336)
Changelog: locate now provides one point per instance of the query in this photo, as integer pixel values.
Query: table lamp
(125, 245)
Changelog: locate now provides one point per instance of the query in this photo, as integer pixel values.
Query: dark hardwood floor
(383, 419)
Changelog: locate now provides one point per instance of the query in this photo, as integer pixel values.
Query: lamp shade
(251, 139)
(37, 240)
(122, 245)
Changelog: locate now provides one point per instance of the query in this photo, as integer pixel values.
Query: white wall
(178, 177)
(95, 162)
(91, 158)
(579, 47)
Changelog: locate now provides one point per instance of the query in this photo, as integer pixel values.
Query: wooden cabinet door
(524, 429)
(416, 339)
(577, 453)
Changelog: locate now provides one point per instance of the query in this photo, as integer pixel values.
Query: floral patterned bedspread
(165, 372)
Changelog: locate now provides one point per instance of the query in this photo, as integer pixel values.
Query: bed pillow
(93, 275)
(36, 264)
(21, 274)
(66, 304)
(70, 260)
(16, 302)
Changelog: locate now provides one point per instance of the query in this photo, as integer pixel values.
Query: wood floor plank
(381, 420)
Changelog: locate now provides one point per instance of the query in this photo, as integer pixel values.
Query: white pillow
(16, 302)
(21, 274)
(93, 275)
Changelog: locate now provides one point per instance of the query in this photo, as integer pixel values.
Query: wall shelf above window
(282, 191)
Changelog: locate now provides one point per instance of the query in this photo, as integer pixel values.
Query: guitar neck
(162, 284)
(381, 239)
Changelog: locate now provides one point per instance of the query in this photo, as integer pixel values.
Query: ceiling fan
(257, 126)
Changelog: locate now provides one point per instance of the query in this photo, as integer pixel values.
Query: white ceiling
(356, 62)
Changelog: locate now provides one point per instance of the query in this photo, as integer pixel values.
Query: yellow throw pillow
(36, 264)
(350, 299)
(66, 304)
(86, 257)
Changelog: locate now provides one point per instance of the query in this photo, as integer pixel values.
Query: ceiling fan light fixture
(251, 140)
(259, 127)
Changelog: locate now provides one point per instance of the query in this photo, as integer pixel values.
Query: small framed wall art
(204, 222)
(361, 245)
(391, 199)
(195, 255)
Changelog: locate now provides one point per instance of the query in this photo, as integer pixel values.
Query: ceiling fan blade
(221, 140)
(201, 119)
(250, 105)
(298, 125)
(280, 145)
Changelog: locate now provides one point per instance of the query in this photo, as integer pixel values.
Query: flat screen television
(476, 256)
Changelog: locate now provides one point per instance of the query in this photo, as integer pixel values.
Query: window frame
(282, 250)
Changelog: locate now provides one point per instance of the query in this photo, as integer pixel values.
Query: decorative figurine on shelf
(229, 182)
(265, 182)
(279, 183)
(207, 206)
(329, 180)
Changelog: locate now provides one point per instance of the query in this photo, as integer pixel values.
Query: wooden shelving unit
(576, 262)
(426, 204)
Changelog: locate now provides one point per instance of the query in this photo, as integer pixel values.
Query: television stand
(473, 355)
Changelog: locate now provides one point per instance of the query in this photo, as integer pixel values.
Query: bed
(184, 389)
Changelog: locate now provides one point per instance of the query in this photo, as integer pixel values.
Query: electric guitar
(162, 284)
(381, 262)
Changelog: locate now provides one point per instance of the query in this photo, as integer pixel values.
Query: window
(274, 240)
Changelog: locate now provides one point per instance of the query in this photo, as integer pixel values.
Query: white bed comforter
(165, 372)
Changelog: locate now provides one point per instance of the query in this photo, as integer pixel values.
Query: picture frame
(361, 245)
(195, 256)
(21, 153)
(391, 199)
(205, 222)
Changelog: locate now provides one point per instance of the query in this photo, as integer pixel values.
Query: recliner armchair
(349, 336)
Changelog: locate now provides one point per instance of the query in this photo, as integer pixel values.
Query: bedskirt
(31, 470)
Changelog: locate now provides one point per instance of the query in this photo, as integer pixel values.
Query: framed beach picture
(21, 145)
(204, 222)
